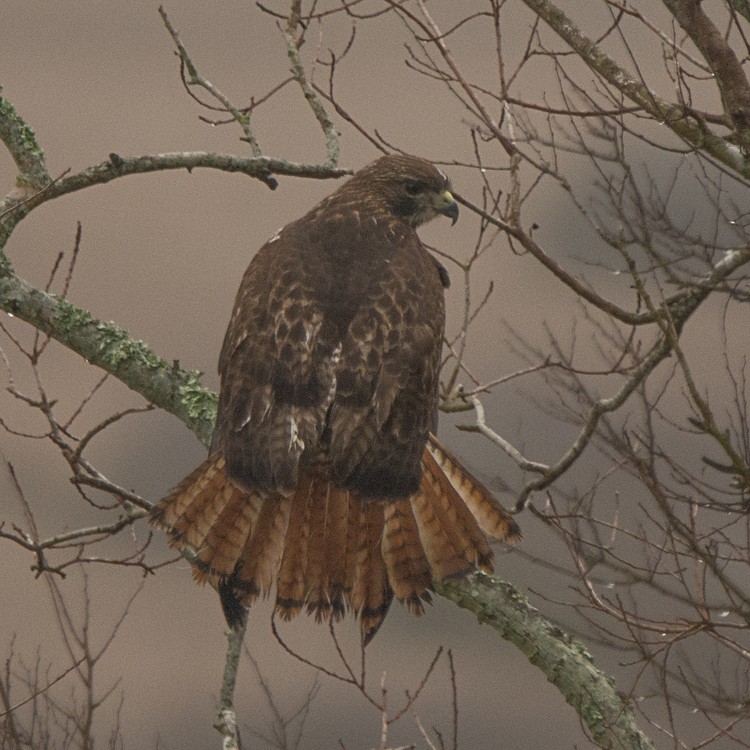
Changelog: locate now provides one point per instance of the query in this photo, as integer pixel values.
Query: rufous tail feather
(290, 585)
(408, 568)
(327, 549)
(491, 516)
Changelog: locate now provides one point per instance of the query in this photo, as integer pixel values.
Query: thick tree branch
(742, 7)
(681, 120)
(20, 140)
(727, 68)
(565, 661)
(108, 346)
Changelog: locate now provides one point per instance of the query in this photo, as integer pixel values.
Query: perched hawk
(324, 477)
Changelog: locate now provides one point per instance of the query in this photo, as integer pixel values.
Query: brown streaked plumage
(324, 478)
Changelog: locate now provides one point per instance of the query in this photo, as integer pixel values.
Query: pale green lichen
(69, 318)
(200, 402)
(113, 344)
(6, 267)
(25, 134)
(116, 347)
(582, 650)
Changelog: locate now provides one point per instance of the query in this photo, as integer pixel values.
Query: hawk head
(410, 188)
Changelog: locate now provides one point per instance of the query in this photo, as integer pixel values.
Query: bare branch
(681, 120)
(298, 71)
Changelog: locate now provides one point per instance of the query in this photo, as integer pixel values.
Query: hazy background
(162, 255)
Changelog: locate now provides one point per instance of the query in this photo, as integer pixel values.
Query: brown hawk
(324, 476)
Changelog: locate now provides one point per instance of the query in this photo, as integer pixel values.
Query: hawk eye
(413, 187)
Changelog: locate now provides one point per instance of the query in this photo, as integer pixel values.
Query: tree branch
(226, 718)
(565, 661)
(681, 120)
(730, 77)
(20, 140)
(121, 166)
(108, 346)
(292, 45)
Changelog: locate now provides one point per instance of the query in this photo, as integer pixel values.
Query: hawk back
(332, 354)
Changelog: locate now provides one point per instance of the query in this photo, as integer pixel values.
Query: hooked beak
(447, 206)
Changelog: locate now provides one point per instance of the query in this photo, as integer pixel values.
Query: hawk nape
(324, 477)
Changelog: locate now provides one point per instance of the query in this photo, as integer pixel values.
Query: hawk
(324, 476)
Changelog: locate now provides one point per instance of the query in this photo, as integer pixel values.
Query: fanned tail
(210, 515)
(491, 516)
(327, 549)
